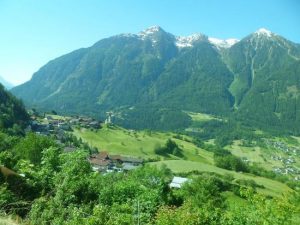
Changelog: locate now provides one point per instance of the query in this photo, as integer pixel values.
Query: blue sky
(33, 32)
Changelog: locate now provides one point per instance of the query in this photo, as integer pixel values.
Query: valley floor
(116, 140)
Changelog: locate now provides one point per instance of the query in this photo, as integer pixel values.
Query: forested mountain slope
(150, 79)
(12, 112)
(267, 78)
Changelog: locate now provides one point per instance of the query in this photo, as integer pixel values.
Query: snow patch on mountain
(263, 32)
(223, 43)
(188, 41)
(149, 32)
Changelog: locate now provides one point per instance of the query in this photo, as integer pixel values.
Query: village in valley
(288, 161)
(60, 128)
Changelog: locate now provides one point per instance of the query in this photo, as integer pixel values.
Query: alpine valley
(155, 80)
(198, 131)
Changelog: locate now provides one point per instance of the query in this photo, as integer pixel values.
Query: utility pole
(138, 211)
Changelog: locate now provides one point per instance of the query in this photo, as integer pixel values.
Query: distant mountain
(266, 85)
(5, 83)
(152, 78)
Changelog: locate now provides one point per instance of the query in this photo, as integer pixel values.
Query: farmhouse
(102, 161)
(99, 164)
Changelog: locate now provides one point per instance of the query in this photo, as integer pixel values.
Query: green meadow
(272, 187)
(117, 140)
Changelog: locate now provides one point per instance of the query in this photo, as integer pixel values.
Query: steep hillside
(149, 79)
(112, 73)
(197, 80)
(267, 79)
(12, 112)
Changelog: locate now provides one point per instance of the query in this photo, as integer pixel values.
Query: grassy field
(197, 121)
(117, 140)
(272, 187)
(253, 154)
(264, 155)
(201, 116)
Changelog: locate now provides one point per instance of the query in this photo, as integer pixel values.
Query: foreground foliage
(61, 188)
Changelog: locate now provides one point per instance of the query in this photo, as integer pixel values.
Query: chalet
(177, 182)
(102, 161)
(101, 155)
(99, 164)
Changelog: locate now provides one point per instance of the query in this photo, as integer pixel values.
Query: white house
(177, 182)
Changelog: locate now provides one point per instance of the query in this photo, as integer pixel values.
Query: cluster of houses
(283, 147)
(287, 162)
(57, 127)
(284, 160)
(102, 161)
(286, 170)
(50, 125)
(105, 162)
(85, 122)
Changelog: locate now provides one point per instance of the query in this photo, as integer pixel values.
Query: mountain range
(153, 78)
